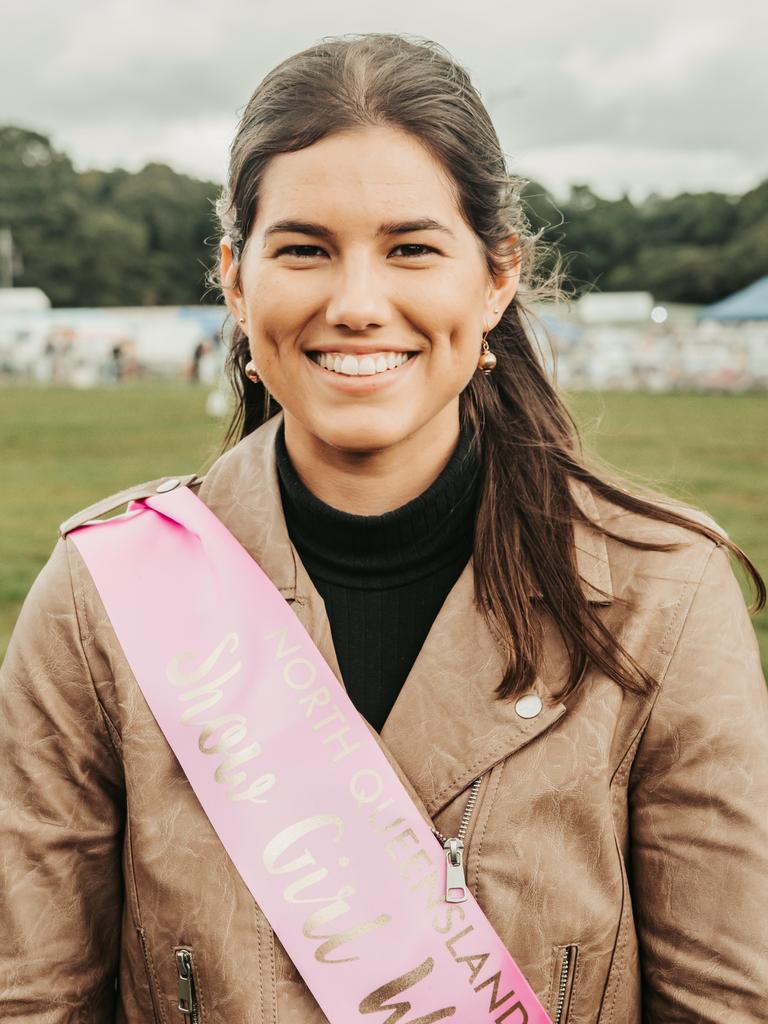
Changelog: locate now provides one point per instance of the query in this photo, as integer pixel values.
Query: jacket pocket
(189, 1004)
(149, 970)
(562, 983)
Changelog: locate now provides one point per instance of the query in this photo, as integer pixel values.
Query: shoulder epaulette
(114, 501)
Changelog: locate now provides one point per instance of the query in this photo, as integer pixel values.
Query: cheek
(274, 320)
(466, 341)
(468, 354)
(456, 304)
(275, 299)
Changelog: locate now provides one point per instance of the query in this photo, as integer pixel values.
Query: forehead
(375, 172)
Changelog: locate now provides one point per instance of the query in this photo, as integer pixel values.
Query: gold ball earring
(487, 359)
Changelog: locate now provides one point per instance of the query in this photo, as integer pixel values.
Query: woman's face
(332, 271)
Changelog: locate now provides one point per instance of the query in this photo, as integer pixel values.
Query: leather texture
(631, 831)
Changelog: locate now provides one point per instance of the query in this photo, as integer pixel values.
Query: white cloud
(623, 95)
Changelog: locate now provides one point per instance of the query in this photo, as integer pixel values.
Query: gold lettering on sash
(317, 699)
(345, 748)
(495, 981)
(230, 737)
(379, 1000)
(293, 673)
(336, 905)
(434, 883)
(282, 636)
(405, 861)
(517, 1008)
(475, 963)
(337, 715)
(261, 785)
(447, 909)
(290, 893)
(399, 840)
(236, 731)
(333, 941)
(361, 795)
(421, 857)
(450, 943)
(366, 787)
(386, 828)
(232, 761)
(176, 677)
(210, 691)
(278, 844)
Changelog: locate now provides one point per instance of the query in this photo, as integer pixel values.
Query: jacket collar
(251, 465)
(447, 727)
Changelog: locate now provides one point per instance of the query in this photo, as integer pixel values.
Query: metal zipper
(455, 879)
(565, 971)
(187, 992)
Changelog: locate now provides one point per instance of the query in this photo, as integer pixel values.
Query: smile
(368, 365)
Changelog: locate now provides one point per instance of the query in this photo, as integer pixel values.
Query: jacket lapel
(447, 726)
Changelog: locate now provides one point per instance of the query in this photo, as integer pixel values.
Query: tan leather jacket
(619, 844)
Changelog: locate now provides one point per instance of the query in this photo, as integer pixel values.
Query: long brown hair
(528, 442)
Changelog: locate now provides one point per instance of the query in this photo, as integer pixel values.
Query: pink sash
(313, 816)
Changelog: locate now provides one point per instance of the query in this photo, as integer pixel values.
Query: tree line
(107, 238)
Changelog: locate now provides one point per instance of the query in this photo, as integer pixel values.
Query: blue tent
(751, 303)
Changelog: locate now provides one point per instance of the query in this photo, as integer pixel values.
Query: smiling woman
(480, 731)
(391, 311)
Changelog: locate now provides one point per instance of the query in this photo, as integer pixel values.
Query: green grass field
(64, 448)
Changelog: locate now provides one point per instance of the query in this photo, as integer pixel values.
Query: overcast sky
(658, 95)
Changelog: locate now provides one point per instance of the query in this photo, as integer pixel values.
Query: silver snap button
(528, 706)
(167, 485)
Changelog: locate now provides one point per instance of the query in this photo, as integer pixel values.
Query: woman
(564, 673)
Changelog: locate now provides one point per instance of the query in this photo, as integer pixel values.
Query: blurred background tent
(747, 304)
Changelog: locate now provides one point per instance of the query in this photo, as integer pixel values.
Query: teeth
(364, 366)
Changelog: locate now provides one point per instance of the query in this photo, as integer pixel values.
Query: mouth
(369, 364)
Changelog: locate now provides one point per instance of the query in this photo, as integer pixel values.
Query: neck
(370, 483)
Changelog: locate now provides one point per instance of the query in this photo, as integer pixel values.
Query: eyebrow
(302, 227)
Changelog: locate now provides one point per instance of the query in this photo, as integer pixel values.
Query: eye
(415, 245)
(294, 250)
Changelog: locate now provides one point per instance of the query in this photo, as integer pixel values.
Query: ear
(229, 280)
(506, 283)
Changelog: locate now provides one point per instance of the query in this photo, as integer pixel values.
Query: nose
(357, 299)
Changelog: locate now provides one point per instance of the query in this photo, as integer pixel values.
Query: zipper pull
(455, 882)
(186, 985)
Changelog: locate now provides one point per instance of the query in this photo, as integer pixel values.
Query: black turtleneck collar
(406, 544)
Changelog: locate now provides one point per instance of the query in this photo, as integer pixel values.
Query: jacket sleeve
(699, 819)
(61, 800)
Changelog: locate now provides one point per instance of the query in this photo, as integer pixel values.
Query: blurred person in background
(562, 670)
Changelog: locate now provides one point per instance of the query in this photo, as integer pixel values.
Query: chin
(365, 433)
